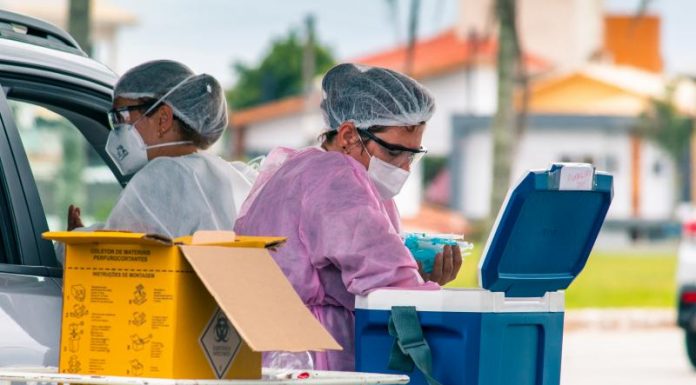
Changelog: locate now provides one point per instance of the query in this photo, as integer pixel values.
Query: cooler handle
(410, 346)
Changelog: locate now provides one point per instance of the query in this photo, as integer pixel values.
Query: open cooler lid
(545, 230)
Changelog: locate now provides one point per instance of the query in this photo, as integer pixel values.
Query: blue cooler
(510, 331)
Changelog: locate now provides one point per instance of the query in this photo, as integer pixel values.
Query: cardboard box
(201, 307)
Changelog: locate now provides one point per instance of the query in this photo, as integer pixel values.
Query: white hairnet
(198, 101)
(373, 96)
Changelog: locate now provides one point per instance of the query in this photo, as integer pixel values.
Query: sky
(209, 35)
(241, 30)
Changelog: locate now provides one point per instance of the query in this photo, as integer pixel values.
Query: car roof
(24, 58)
(30, 46)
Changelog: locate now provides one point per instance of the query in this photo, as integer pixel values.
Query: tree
(279, 74)
(670, 130)
(505, 129)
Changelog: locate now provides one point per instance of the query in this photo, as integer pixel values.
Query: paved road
(625, 357)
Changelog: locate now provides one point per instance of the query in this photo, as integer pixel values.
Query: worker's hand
(446, 266)
(74, 220)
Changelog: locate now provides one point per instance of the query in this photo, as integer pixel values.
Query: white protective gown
(176, 196)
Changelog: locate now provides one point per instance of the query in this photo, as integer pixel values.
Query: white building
(567, 33)
(582, 116)
(588, 88)
(459, 73)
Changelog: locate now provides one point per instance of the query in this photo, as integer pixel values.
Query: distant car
(686, 281)
(53, 127)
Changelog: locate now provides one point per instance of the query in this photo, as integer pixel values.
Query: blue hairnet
(373, 96)
(198, 101)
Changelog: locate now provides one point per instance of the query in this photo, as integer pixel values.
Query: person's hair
(187, 133)
(329, 136)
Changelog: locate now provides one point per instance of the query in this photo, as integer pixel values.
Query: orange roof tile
(433, 56)
(443, 53)
(267, 111)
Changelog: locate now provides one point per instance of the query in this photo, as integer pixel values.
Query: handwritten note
(576, 177)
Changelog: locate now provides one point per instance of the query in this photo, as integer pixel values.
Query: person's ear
(165, 120)
(347, 136)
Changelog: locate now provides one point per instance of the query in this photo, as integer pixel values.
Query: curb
(620, 319)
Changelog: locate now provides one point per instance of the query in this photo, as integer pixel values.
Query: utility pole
(309, 61)
(71, 189)
(503, 130)
(412, 36)
(393, 15)
(473, 42)
(79, 23)
(309, 69)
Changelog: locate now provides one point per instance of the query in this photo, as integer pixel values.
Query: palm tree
(506, 129)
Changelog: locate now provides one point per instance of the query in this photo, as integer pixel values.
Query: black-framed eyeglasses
(399, 154)
(122, 114)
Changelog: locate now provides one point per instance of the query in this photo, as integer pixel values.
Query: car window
(5, 232)
(66, 168)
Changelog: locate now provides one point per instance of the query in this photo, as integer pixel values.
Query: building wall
(457, 93)
(608, 150)
(475, 175)
(577, 25)
(294, 131)
(657, 185)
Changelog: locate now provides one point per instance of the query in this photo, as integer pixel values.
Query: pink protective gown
(343, 240)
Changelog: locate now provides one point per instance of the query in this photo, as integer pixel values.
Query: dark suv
(53, 127)
(686, 282)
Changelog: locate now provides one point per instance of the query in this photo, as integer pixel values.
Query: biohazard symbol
(220, 343)
(222, 329)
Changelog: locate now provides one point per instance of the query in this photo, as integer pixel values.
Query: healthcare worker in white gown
(163, 118)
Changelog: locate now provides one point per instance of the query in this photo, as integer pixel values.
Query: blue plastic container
(511, 330)
(425, 247)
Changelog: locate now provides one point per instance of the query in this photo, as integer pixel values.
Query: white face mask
(127, 149)
(388, 178)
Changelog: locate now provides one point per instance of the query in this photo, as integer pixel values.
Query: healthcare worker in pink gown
(334, 202)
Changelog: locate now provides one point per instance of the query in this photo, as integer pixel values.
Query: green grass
(619, 279)
(468, 273)
(625, 280)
